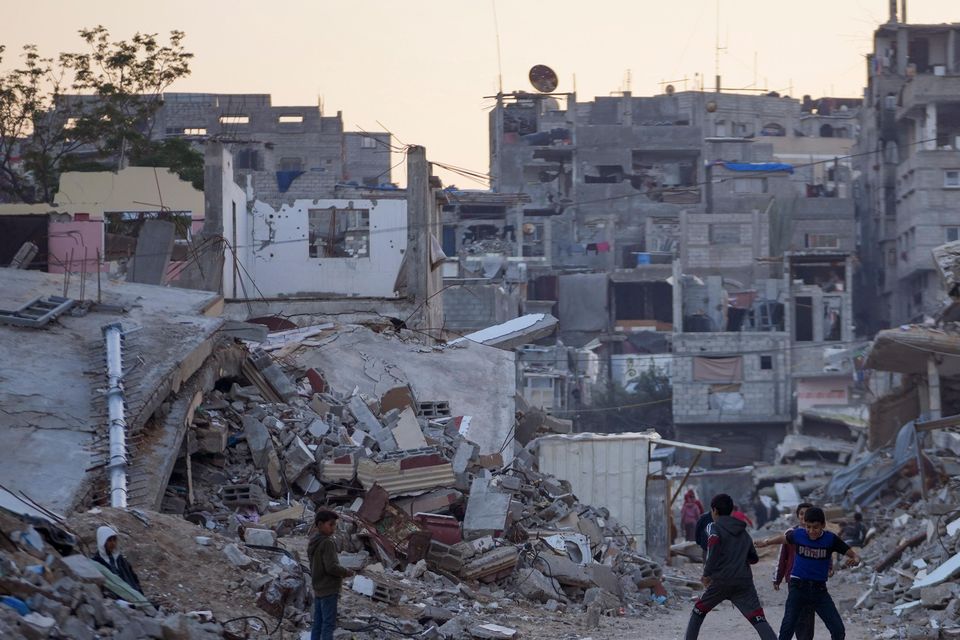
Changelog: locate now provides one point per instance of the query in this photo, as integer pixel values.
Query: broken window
(368, 142)
(952, 234)
(826, 131)
(644, 304)
(803, 319)
(290, 119)
(724, 234)
(605, 174)
(832, 317)
(339, 233)
(766, 363)
(951, 178)
(122, 228)
(195, 131)
(234, 119)
(533, 240)
(773, 129)
(248, 159)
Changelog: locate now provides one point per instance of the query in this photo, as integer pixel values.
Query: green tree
(115, 90)
(647, 403)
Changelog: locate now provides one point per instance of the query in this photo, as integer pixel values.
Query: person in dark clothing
(690, 512)
(326, 573)
(813, 547)
(855, 532)
(700, 535)
(726, 571)
(806, 620)
(108, 554)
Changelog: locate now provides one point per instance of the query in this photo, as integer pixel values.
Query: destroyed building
(907, 190)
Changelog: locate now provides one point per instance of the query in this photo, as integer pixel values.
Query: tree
(647, 403)
(116, 89)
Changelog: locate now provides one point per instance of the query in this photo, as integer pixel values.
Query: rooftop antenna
(629, 79)
(496, 28)
(717, 50)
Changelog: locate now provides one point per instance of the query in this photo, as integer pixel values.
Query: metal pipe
(113, 340)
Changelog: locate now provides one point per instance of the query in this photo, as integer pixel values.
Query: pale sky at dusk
(422, 67)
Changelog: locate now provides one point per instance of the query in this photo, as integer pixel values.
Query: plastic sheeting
(758, 166)
(725, 369)
(862, 482)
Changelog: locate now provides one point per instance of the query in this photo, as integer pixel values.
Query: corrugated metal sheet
(399, 481)
(608, 471)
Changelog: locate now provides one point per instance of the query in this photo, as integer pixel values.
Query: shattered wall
(470, 307)
(281, 262)
(476, 380)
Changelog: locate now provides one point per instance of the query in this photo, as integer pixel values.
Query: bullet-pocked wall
(328, 247)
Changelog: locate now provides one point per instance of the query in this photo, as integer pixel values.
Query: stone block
(533, 585)
(297, 458)
(83, 568)
(488, 512)
(260, 537)
(237, 557)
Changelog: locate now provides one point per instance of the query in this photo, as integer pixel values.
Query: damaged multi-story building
(908, 186)
(646, 207)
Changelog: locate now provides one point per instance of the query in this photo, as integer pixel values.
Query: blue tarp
(758, 166)
(286, 178)
(862, 482)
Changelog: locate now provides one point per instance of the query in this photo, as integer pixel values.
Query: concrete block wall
(765, 391)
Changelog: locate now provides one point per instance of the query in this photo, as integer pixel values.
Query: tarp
(728, 369)
(286, 178)
(862, 482)
(758, 166)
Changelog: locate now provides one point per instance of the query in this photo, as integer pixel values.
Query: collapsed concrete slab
(49, 435)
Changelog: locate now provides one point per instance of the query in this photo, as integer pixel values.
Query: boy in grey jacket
(726, 571)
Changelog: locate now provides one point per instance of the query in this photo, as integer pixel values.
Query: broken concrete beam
(320, 406)
(944, 572)
(603, 576)
(237, 557)
(296, 513)
(354, 561)
(488, 510)
(264, 454)
(365, 418)
(154, 246)
(83, 568)
(297, 458)
(936, 597)
(385, 440)
(407, 433)
(492, 565)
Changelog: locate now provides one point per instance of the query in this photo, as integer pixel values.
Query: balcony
(927, 88)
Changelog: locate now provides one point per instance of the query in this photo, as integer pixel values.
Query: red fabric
(740, 515)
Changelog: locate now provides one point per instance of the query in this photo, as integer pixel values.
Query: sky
(422, 68)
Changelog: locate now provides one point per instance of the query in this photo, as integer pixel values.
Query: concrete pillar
(930, 127)
(951, 48)
(816, 301)
(933, 389)
(684, 240)
(424, 283)
(677, 298)
(903, 43)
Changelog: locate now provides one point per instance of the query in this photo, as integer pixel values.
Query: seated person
(108, 554)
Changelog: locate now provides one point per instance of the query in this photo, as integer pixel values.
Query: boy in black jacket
(726, 571)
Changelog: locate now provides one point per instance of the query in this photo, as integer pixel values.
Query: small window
(766, 363)
(290, 119)
(195, 131)
(339, 233)
(951, 178)
(953, 234)
(234, 119)
(368, 142)
(725, 234)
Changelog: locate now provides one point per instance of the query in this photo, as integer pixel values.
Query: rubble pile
(52, 590)
(438, 532)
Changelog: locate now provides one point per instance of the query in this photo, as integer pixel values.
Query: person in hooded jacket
(108, 554)
(327, 574)
(726, 571)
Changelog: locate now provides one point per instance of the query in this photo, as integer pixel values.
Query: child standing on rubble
(805, 621)
(327, 575)
(726, 571)
(813, 546)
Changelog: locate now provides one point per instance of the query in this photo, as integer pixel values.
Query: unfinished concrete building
(909, 170)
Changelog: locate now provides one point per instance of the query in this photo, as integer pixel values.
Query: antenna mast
(496, 27)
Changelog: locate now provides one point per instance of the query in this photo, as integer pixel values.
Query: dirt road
(670, 621)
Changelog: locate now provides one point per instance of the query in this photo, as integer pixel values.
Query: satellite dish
(670, 89)
(543, 78)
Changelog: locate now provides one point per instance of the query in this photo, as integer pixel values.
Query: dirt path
(670, 621)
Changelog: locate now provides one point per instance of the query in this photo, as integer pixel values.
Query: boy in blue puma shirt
(808, 579)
